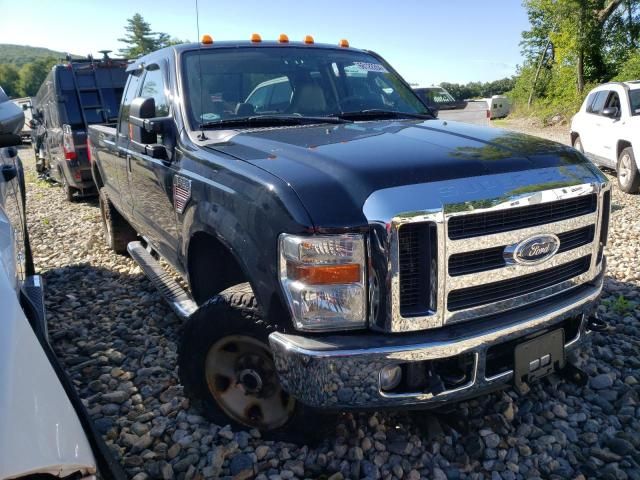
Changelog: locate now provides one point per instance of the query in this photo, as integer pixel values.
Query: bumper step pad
(178, 299)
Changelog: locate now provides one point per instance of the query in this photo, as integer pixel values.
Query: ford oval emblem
(533, 250)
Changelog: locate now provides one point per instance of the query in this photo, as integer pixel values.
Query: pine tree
(140, 39)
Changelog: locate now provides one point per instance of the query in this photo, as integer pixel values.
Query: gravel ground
(117, 340)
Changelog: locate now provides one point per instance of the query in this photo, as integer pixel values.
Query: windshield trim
(180, 58)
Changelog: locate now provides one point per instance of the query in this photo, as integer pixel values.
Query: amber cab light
(308, 39)
(283, 38)
(255, 38)
(206, 39)
(344, 43)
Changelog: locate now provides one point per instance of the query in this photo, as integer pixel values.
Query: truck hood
(334, 168)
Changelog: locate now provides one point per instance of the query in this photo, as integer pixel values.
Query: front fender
(246, 209)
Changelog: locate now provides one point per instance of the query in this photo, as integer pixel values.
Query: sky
(427, 41)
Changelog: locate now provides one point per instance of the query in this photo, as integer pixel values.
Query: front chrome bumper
(342, 372)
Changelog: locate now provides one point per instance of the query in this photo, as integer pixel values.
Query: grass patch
(619, 305)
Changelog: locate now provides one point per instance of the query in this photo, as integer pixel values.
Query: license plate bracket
(537, 358)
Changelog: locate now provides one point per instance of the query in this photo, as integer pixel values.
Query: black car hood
(334, 168)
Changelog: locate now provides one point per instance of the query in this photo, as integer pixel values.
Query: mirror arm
(151, 125)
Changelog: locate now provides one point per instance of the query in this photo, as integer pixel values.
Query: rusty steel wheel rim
(242, 379)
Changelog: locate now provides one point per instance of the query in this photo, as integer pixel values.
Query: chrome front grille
(516, 217)
(490, 258)
(493, 292)
(462, 274)
(417, 268)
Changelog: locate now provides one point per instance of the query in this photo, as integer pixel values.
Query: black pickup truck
(343, 249)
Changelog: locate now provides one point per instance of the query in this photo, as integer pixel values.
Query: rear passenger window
(598, 102)
(153, 86)
(131, 91)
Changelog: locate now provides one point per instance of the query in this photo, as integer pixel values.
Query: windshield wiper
(378, 113)
(271, 120)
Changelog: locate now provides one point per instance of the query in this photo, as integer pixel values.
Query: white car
(607, 130)
(45, 431)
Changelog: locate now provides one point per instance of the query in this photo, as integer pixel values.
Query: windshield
(634, 98)
(266, 81)
(435, 95)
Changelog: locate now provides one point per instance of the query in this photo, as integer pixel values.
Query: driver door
(607, 131)
(151, 179)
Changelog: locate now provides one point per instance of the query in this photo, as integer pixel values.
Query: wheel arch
(622, 144)
(574, 137)
(97, 176)
(212, 265)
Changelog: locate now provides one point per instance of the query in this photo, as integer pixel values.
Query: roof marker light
(255, 38)
(344, 43)
(283, 38)
(207, 39)
(308, 39)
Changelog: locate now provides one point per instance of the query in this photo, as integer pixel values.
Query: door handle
(9, 172)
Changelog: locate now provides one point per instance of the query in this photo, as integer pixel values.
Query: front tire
(117, 231)
(628, 176)
(227, 369)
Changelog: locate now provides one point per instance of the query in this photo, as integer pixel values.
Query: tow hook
(573, 374)
(595, 324)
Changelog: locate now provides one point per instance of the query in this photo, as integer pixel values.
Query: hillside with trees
(571, 46)
(24, 68)
(19, 55)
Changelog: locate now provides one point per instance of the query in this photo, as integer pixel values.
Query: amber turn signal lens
(283, 38)
(308, 39)
(344, 43)
(207, 39)
(324, 274)
(255, 38)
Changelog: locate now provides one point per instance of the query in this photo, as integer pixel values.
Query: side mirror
(33, 123)
(145, 127)
(611, 112)
(9, 172)
(10, 140)
(25, 106)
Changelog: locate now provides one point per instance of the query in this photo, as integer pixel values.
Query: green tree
(570, 46)
(140, 39)
(33, 74)
(630, 69)
(9, 79)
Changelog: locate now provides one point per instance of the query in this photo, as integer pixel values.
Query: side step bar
(178, 299)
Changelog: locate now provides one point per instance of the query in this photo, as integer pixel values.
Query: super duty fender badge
(533, 250)
(181, 192)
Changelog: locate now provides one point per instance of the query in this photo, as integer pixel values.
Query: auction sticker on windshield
(370, 67)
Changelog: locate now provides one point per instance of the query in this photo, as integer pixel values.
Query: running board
(178, 299)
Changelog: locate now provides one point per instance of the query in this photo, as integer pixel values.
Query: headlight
(323, 278)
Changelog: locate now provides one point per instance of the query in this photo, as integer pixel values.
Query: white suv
(607, 130)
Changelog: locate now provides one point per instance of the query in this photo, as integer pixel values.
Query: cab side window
(597, 105)
(153, 86)
(131, 91)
